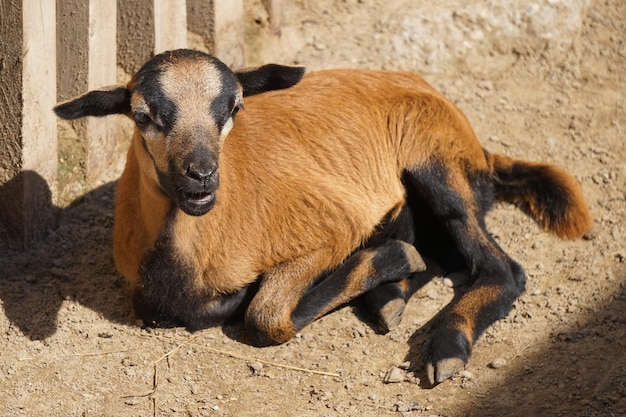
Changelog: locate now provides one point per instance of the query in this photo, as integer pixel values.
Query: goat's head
(183, 104)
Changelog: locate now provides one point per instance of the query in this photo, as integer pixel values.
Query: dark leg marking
(497, 279)
(362, 271)
(418, 225)
(386, 302)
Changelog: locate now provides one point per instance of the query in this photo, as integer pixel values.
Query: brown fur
(403, 122)
(305, 177)
(140, 211)
(306, 203)
(471, 303)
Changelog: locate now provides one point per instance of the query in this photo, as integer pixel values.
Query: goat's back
(321, 163)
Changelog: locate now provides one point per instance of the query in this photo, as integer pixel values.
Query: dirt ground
(545, 82)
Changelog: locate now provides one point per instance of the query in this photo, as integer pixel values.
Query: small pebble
(466, 374)
(590, 235)
(498, 363)
(615, 232)
(432, 294)
(257, 368)
(393, 376)
(411, 378)
(407, 406)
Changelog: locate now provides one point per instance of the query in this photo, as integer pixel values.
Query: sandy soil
(545, 82)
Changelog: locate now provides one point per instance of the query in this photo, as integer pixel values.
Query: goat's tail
(545, 192)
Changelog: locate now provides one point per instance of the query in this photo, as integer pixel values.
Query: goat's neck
(154, 205)
(140, 211)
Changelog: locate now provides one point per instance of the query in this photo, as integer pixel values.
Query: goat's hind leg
(497, 280)
(417, 225)
(385, 303)
(283, 305)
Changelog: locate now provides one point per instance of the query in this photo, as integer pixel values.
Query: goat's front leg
(385, 303)
(293, 294)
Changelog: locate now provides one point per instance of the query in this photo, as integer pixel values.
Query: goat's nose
(200, 172)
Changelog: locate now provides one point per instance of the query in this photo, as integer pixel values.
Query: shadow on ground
(573, 373)
(581, 373)
(578, 372)
(71, 261)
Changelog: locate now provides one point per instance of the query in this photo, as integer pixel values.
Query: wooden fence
(51, 51)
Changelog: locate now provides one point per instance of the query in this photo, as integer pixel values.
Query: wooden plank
(39, 90)
(170, 25)
(101, 71)
(217, 27)
(135, 33)
(28, 181)
(86, 51)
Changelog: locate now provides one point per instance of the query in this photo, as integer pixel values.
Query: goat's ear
(115, 100)
(268, 77)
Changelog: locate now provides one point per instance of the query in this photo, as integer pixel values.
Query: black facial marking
(165, 111)
(223, 105)
(200, 164)
(147, 83)
(194, 197)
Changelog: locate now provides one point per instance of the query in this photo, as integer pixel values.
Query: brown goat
(316, 194)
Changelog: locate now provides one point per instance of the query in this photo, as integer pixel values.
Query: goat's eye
(141, 118)
(235, 110)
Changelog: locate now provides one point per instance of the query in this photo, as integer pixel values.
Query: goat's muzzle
(194, 194)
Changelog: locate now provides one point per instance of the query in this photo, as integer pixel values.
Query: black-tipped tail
(545, 192)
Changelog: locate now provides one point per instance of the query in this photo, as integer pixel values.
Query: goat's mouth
(199, 198)
(193, 197)
(197, 203)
